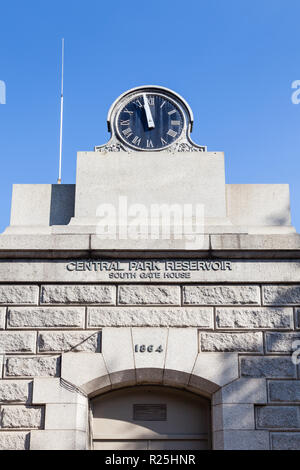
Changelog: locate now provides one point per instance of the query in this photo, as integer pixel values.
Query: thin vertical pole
(61, 112)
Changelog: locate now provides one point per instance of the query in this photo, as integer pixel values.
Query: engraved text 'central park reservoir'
(158, 269)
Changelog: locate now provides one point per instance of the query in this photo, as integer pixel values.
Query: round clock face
(150, 121)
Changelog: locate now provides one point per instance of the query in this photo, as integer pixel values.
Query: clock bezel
(122, 103)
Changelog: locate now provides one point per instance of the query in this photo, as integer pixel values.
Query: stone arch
(149, 376)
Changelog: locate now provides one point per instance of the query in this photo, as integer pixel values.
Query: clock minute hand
(150, 121)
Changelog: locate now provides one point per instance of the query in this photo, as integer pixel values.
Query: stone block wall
(256, 407)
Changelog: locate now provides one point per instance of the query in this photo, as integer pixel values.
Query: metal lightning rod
(61, 112)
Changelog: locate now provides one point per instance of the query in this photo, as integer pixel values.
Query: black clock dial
(150, 122)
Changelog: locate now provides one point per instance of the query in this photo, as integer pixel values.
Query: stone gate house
(150, 343)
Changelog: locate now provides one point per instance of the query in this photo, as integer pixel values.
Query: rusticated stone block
(78, 294)
(15, 391)
(254, 317)
(38, 366)
(147, 316)
(281, 295)
(71, 340)
(281, 342)
(278, 417)
(233, 416)
(244, 390)
(285, 441)
(15, 416)
(45, 317)
(284, 390)
(19, 294)
(14, 440)
(241, 440)
(152, 295)
(259, 366)
(218, 295)
(231, 342)
(11, 342)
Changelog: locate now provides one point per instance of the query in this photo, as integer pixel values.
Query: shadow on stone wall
(62, 204)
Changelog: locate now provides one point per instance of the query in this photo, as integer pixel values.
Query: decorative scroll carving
(185, 147)
(109, 148)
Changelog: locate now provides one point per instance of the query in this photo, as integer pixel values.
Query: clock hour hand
(150, 121)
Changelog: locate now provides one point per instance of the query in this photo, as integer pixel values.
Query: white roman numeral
(171, 133)
(138, 103)
(172, 112)
(162, 104)
(175, 123)
(150, 100)
(163, 141)
(136, 140)
(125, 123)
(127, 132)
(127, 111)
(149, 143)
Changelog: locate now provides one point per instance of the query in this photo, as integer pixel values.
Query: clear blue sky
(233, 60)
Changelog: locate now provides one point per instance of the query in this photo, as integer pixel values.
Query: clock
(150, 118)
(150, 121)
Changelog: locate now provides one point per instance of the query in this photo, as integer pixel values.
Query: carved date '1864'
(143, 348)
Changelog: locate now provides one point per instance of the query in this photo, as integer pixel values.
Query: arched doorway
(150, 418)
